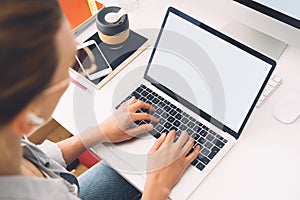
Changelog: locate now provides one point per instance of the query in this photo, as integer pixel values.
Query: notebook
(118, 58)
(199, 80)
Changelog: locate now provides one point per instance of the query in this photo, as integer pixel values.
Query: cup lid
(109, 28)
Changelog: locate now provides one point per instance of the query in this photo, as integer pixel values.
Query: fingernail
(155, 119)
(152, 108)
(150, 127)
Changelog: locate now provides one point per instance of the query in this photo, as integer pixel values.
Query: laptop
(201, 81)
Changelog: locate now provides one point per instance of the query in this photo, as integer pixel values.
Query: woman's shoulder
(20, 187)
(53, 166)
(46, 153)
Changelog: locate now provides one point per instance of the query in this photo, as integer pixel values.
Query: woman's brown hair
(27, 51)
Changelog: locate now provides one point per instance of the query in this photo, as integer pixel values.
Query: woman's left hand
(167, 161)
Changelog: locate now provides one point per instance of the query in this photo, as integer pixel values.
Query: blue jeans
(102, 182)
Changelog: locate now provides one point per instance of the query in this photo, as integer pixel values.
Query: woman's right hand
(117, 127)
(167, 161)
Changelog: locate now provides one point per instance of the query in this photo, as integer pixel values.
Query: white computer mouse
(287, 109)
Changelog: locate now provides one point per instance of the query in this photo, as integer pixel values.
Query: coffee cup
(110, 31)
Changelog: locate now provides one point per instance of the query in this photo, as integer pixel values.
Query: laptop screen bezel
(226, 38)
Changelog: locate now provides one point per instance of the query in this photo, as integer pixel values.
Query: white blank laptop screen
(206, 70)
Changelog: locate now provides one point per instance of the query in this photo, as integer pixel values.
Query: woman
(36, 49)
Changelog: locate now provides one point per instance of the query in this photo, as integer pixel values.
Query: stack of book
(81, 15)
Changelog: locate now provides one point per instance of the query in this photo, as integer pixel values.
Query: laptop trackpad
(135, 152)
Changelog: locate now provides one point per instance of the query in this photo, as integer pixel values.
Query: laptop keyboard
(173, 118)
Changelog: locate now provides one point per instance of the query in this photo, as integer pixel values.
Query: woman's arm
(114, 129)
(71, 148)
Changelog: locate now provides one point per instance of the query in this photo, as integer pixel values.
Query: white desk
(265, 162)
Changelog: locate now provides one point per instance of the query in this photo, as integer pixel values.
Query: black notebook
(118, 56)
